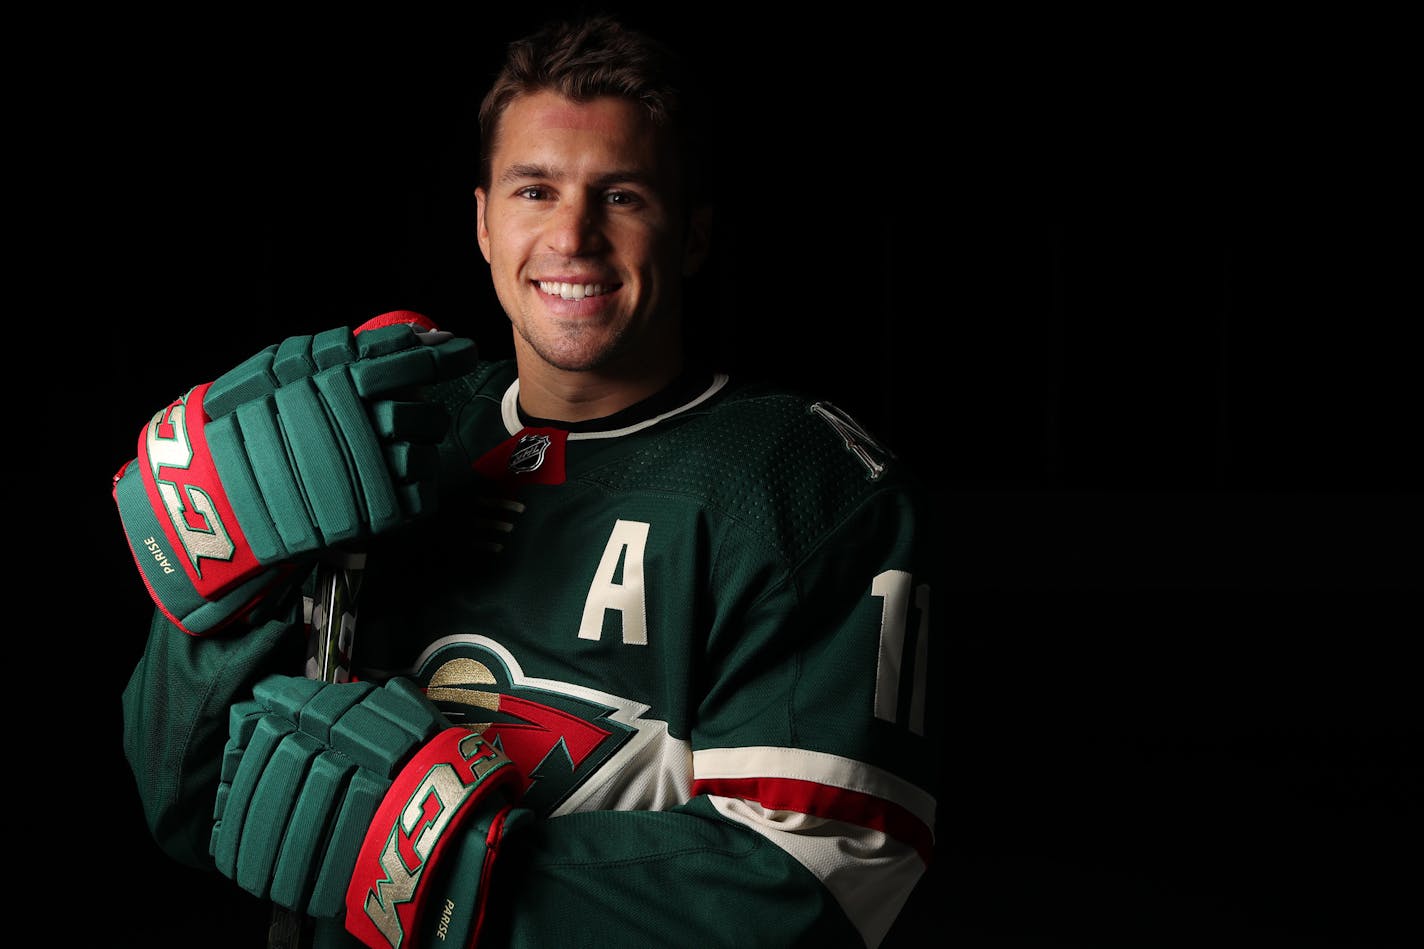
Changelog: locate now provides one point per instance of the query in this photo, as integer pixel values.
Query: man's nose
(575, 226)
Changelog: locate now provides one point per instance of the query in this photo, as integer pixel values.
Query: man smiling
(645, 653)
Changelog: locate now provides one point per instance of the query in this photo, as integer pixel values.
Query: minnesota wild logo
(557, 734)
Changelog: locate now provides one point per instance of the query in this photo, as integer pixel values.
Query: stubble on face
(578, 348)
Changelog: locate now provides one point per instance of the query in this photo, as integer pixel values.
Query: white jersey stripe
(801, 765)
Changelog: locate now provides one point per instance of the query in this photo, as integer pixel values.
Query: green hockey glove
(311, 443)
(347, 797)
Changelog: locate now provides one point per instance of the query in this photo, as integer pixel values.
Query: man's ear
(699, 240)
(481, 232)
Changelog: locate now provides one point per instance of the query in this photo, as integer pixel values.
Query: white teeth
(572, 291)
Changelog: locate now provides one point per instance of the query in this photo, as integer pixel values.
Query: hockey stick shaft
(333, 623)
(329, 640)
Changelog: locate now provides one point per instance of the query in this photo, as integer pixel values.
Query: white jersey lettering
(627, 544)
(895, 587)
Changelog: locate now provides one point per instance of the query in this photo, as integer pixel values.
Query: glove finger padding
(298, 357)
(419, 423)
(308, 444)
(348, 796)
(299, 787)
(311, 443)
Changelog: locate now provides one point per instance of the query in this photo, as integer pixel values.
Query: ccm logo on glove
(418, 817)
(176, 474)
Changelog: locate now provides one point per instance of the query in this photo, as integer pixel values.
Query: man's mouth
(572, 291)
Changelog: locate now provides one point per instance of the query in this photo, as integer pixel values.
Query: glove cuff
(181, 528)
(458, 896)
(455, 778)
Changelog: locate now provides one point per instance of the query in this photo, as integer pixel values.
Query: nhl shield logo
(528, 455)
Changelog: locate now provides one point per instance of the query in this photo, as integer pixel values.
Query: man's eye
(533, 193)
(625, 198)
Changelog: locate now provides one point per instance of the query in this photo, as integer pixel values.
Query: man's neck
(548, 393)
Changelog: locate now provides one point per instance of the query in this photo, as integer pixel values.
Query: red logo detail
(521, 448)
(529, 742)
(211, 576)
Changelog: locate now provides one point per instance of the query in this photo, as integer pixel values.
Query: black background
(1135, 294)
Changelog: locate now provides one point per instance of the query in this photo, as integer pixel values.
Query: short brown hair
(599, 56)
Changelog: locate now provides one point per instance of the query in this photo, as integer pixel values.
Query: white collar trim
(509, 411)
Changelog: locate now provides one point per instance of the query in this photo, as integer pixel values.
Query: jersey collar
(683, 393)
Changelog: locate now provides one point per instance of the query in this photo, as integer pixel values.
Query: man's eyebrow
(526, 171)
(522, 171)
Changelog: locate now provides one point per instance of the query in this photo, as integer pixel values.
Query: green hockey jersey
(703, 630)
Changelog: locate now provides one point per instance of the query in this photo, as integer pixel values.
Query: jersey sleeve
(821, 733)
(684, 876)
(175, 717)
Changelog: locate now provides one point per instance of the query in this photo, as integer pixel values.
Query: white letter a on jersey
(626, 543)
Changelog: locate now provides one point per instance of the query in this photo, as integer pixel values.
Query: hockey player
(643, 655)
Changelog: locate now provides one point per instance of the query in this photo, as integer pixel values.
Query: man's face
(584, 236)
